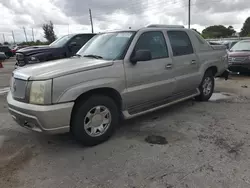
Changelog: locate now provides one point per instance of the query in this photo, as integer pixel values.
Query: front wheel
(7, 55)
(206, 87)
(94, 120)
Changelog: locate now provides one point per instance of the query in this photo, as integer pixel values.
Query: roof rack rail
(165, 26)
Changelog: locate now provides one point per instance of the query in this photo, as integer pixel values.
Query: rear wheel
(94, 120)
(206, 87)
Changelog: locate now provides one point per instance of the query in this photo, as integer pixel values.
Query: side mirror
(141, 55)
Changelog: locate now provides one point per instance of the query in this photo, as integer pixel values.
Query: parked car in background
(16, 48)
(214, 43)
(239, 57)
(229, 44)
(116, 74)
(2, 56)
(7, 51)
(63, 47)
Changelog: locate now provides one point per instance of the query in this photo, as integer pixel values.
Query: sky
(72, 16)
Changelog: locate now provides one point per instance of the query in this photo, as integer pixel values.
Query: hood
(239, 54)
(59, 68)
(36, 49)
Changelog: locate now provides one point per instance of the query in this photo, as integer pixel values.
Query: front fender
(73, 92)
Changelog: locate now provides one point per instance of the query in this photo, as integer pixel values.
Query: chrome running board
(126, 114)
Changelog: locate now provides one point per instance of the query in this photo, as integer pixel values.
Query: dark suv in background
(7, 51)
(63, 47)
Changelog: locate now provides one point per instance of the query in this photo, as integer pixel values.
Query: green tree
(245, 30)
(37, 42)
(231, 30)
(6, 43)
(49, 33)
(218, 31)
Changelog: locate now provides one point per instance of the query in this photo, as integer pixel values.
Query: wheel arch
(105, 91)
(214, 70)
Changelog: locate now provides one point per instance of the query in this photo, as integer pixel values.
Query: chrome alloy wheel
(207, 86)
(97, 121)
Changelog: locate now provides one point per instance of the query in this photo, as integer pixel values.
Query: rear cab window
(180, 43)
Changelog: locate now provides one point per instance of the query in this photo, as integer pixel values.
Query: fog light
(29, 125)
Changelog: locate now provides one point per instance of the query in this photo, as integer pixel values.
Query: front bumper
(51, 119)
(239, 67)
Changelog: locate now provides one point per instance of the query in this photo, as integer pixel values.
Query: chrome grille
(236, 59)
(18, 88)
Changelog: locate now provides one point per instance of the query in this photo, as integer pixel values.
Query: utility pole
(13, 37)
(33, 35)
(91, 20)
(25, 34)
(189, 10)
(3, 38)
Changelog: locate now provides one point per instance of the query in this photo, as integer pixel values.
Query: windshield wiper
(93, 56)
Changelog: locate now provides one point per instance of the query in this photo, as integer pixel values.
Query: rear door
(186, 63)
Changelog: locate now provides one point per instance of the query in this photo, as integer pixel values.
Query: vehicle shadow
(157, 114)
(126, 127)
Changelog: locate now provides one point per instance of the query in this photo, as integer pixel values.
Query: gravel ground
(207, 145)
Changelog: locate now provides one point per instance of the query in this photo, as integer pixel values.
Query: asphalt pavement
(207, 145)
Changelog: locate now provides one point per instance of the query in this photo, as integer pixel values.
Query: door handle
(168, 66)
(193, 62)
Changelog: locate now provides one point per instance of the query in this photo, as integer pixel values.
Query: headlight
(34, 60)
(40, 92)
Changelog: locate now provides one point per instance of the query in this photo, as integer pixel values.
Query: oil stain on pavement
(154, 139)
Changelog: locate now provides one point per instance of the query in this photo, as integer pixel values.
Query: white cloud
(72, 16)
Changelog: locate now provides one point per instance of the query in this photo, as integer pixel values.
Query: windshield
(60, 41)
(241, 46)
(109, 46)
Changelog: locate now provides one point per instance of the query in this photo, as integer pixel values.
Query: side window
(80, 40)
(153, 41)
(180, 43)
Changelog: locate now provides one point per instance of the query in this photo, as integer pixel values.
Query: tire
(206, 94)
(85, 111)
(7, 55)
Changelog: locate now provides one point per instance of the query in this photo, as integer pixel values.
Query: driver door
(149, 81)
